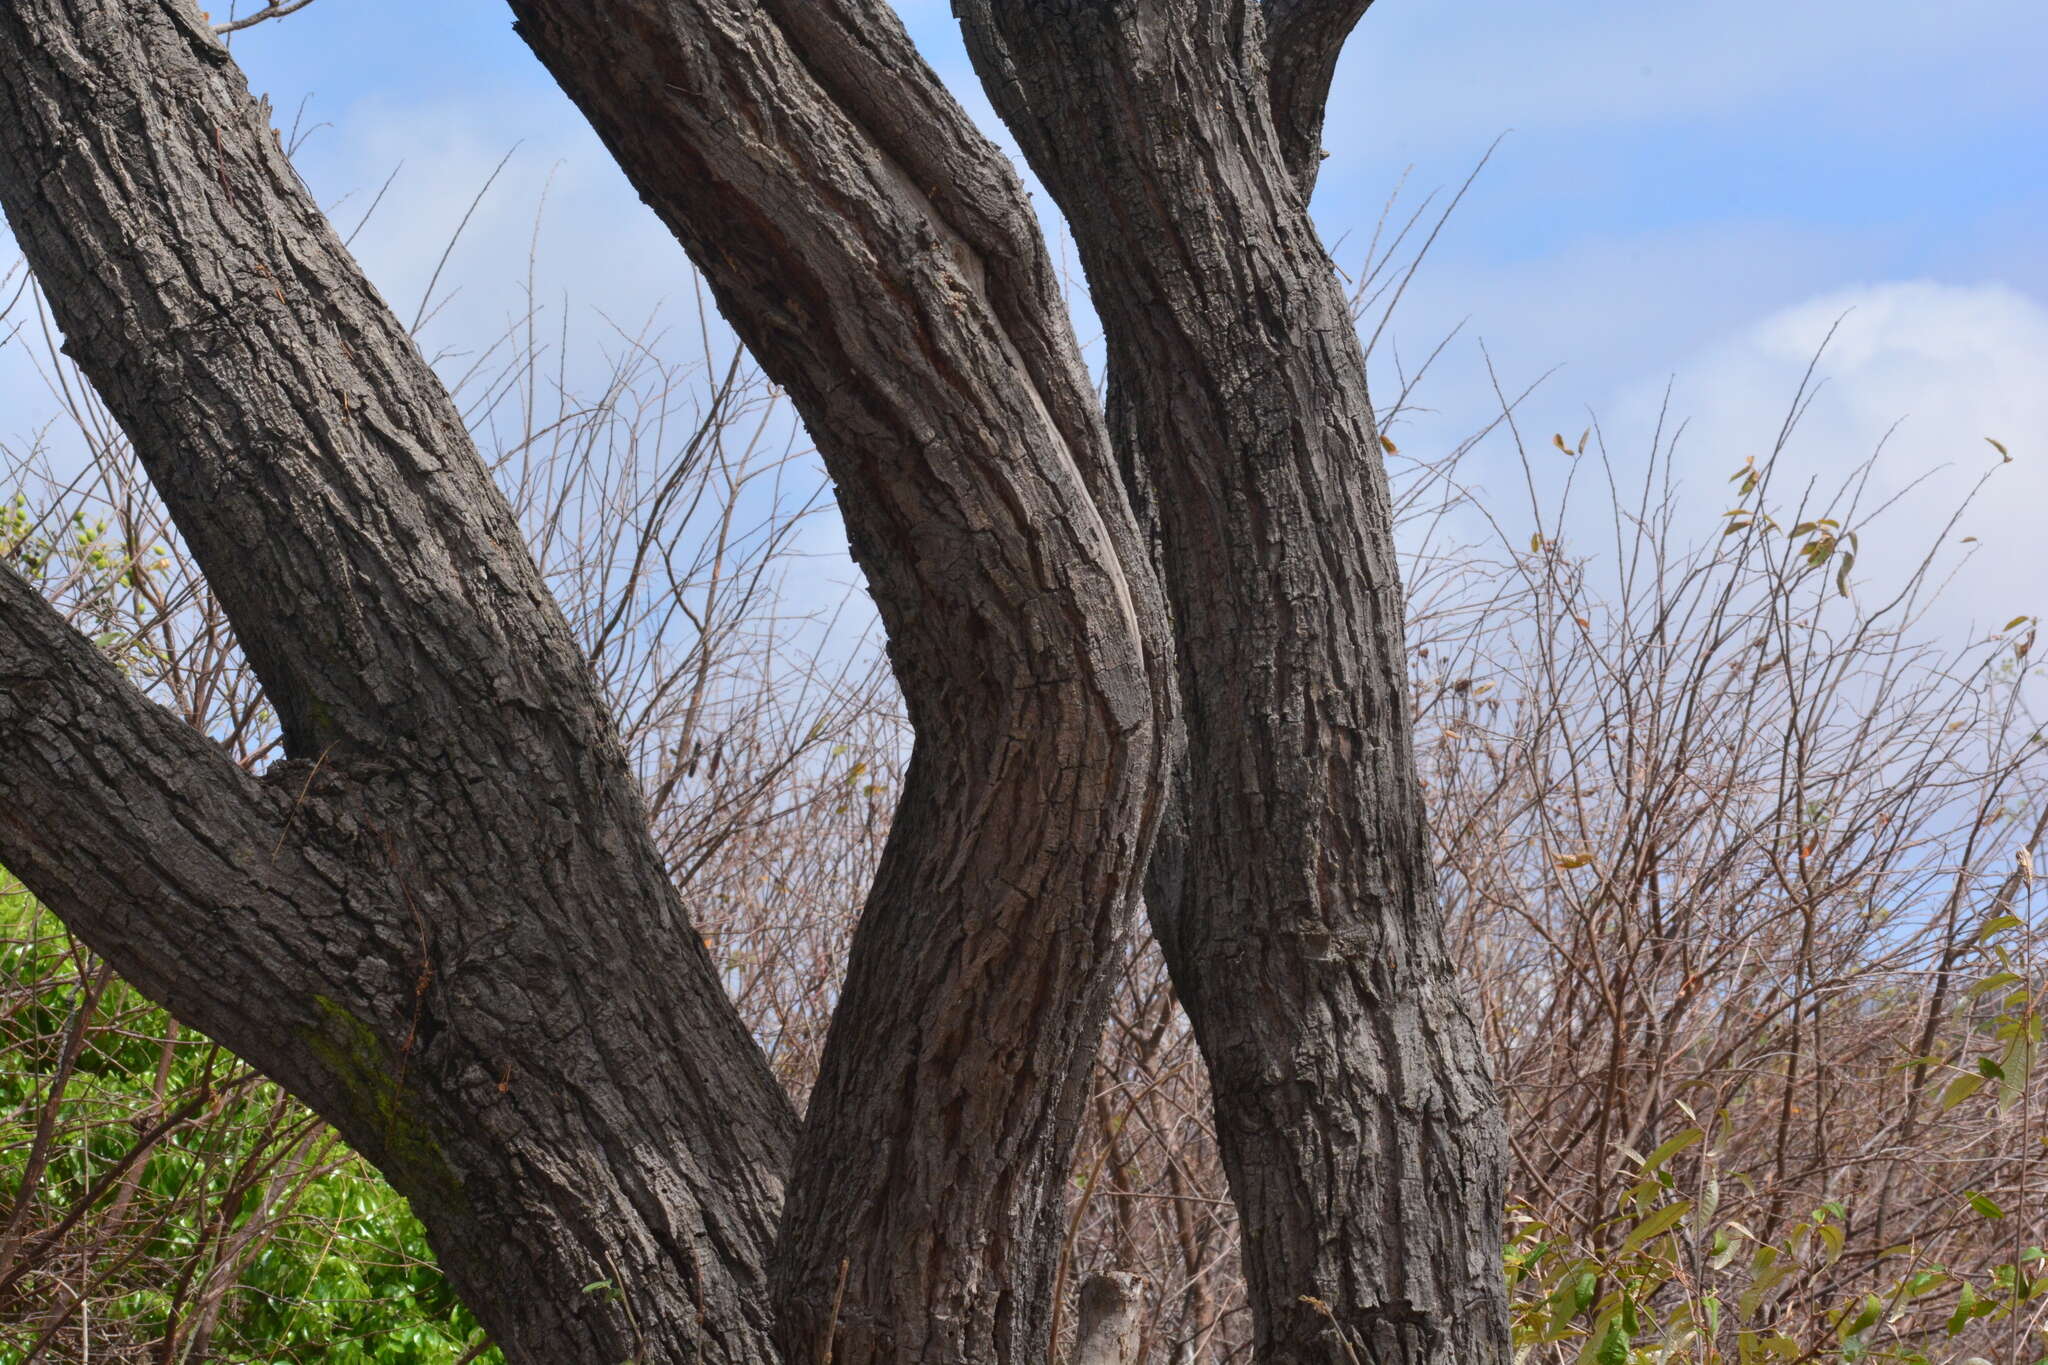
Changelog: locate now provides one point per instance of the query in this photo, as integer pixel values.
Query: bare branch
(276, 9)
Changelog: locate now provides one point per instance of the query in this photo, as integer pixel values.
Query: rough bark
(542, 1058)
(1296, 906)
(1107, 1331)
(880, 260)
(442, 922)
(489, 985)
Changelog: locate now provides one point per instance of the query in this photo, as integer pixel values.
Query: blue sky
(1686, 192)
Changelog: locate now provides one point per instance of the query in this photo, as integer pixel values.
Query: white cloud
(1918, 373)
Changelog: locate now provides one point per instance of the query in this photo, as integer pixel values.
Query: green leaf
(1585, 1288)
(1833, 1238)
(1873, 1308)
(1671, 1147)
(1997, 925)
(1984, 1204)
(1969, 1306)
(1998, 981)
(2015, 1068)
(1656, 1224)
(1613, 1349)
(1922, 1283)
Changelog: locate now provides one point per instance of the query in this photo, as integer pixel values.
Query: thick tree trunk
(442, 921)
(489, 985)
(1295, 902)
(890, 276)
(481, 974)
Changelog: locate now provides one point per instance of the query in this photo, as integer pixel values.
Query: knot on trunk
(1108, 1333)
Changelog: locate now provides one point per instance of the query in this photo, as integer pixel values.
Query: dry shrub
(161, 1202)
(1736, 856)
(1726, 839)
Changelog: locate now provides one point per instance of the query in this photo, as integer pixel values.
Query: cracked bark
(890, 276)
(1293, 895)
(483, 978)
(442, 922)
(513, 1018)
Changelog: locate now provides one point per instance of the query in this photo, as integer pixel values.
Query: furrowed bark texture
(442, 922)
(880, 260)
(1354, 1104)
(542, 1057)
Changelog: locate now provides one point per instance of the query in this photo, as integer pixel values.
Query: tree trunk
(481, 973)
(1295, 899)
(1107, 1332)
(442, 922)
(892, 279)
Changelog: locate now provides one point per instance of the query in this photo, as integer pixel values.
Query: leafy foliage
(169, 1204)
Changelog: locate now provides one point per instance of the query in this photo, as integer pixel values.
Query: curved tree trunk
(1295, 899)
(441, 921)
(893, 280)
(486, 981)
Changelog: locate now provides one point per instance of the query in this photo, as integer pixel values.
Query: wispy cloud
(1916, 377)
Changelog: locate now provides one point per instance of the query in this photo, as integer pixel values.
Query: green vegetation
(167, 1193)
(157, 1192)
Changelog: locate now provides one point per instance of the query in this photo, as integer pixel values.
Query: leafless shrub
(1719, 824)
(1719, 830)
(667, 510)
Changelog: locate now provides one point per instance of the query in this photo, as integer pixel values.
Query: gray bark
(442, 921)
(1294, 898)
(524, 1033)
(481, 973)
(891, 277)
(1107, 1330)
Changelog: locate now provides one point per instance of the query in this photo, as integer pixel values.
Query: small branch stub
(1108, 1333)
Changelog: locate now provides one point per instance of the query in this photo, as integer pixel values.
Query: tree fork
(462, 947)
(444, 732)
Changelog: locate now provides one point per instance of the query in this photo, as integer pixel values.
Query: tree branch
(166, 857)
(276, 9)
(280, 408)
(881, 261)
(1303, 41)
